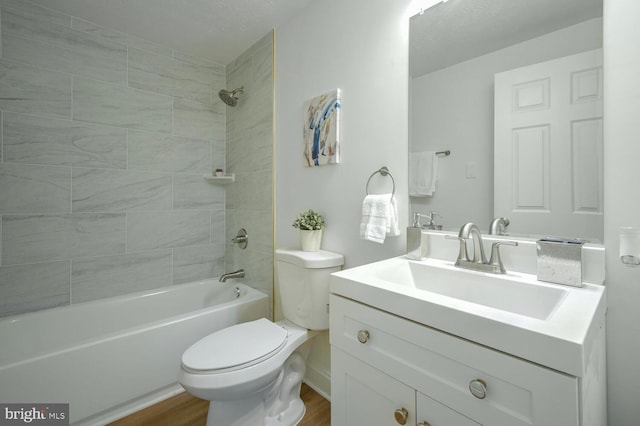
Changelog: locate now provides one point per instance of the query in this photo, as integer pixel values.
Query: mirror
(456, 49)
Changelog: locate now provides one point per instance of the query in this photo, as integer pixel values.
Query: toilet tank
(303, 281)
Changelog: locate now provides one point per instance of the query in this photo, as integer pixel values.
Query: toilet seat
(234, 348)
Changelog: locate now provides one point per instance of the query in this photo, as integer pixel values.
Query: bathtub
(112, 357)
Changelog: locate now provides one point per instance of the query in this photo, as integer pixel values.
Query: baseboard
(318, 381)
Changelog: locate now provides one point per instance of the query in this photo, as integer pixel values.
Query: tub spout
(235, 274)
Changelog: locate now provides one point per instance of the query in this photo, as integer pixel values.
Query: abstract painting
(322, 129)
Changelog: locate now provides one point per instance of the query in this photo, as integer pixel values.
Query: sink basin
(548, 324)
(513, 292)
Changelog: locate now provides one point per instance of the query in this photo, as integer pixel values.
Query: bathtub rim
(250, 293)
(121, 297)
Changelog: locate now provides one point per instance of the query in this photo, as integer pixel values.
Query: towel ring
(384, 171)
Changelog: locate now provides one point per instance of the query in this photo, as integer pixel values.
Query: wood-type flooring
(186, 410)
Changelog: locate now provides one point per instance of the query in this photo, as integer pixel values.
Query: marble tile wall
(104, 140)
(249, 135)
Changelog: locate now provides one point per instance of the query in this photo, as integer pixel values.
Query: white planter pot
(310, 240)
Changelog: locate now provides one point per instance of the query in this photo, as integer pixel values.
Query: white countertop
(561, 341)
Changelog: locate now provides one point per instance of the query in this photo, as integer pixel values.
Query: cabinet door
(363, 395)
(432, 413)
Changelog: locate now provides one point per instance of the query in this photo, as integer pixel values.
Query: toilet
(252, 372)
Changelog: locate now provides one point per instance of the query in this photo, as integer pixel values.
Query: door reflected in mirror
(456, 50)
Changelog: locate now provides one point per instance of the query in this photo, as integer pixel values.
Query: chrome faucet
(471, 230)
(431, 217)
(498, 226)
(235, 274)
(479, 260)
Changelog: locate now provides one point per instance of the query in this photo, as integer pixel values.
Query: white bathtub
(112, 357)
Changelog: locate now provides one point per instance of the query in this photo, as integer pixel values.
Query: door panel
(548, 176)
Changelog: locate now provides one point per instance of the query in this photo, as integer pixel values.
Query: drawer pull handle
(478, 388)
(363, 336)
(401, 415)
(425, 423)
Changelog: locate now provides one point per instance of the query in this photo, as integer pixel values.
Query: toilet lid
(235, 347)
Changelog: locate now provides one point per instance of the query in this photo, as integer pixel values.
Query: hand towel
(423, 173)
(379, 218)
(393, 230)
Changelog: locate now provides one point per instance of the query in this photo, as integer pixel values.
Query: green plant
(309, 221)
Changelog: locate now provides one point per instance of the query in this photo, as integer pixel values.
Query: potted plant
(310, 224)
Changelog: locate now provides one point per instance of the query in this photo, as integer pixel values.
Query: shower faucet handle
(241, 238)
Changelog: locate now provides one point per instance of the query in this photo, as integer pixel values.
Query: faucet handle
(432, 220)
(495, 259)
(499, 225)
(431, 217)
(462, 254)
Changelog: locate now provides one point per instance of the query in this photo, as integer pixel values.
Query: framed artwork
(322, 129)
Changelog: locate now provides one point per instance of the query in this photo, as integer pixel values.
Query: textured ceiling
(219, 30)
(452, 32)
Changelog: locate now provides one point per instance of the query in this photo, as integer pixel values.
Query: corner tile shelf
(223, 180)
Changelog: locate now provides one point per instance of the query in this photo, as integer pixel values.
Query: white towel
(393, 230)
(423, 173)
(379, 218)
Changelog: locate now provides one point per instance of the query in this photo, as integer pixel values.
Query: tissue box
(560, 261)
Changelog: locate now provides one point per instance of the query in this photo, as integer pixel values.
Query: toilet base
(236, 413)
(277, 405)
(228, 415)
(290, 417)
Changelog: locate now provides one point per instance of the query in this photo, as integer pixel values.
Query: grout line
(173, 116)
(1, 52)
(70, 282)
(71, 190)
(173, 256)
(73, 81)
(126, 82)
(126, 230)
(126, 153)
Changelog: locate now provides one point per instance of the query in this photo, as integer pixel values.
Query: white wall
(360, 47)
(622, 205)
(453, 109)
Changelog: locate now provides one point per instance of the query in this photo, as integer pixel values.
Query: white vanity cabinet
(383, 364)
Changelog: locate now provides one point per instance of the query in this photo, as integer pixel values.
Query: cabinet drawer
(442, 367)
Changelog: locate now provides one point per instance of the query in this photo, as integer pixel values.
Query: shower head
(230, 97)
